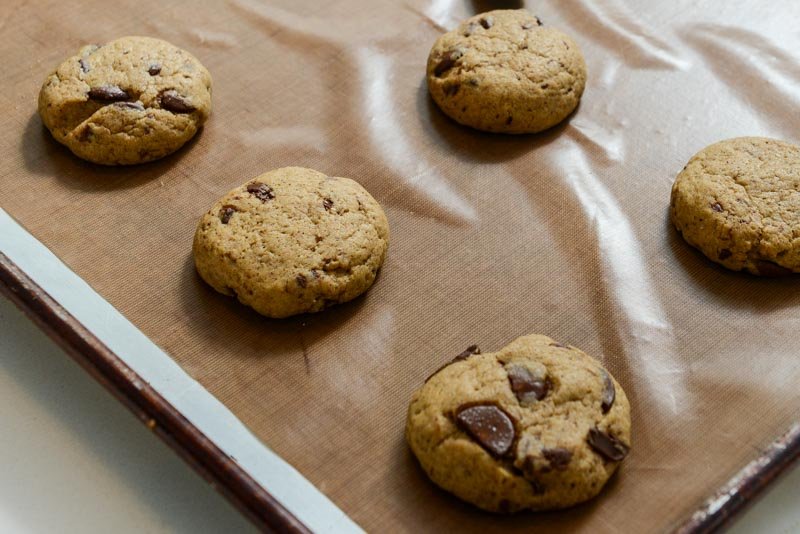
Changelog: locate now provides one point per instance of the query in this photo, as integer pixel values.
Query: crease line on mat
(636, 300)
(375, 70)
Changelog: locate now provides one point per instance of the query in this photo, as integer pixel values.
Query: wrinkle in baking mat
(492, 237)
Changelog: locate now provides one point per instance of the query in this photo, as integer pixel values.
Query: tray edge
(220, 470)
(227, 477)
(744, 489)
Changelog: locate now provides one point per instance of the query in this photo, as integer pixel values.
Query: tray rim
(248, 496)
(147, 404)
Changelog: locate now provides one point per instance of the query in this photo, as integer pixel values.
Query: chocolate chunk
(536, 486)
(471, 27)
(724, 254)
(487, 22)
(172, 101)
(530, 24)
(327, 204)
(487, 424)
(558, 457)
(509, 120)
(770, 269)
(263, 192)
(84, 65)
(469, 351)
(226, 213)
(301, 280)
(451, 89)
(530, 472)
(609, 392)
(108, 93)
(716, 206)
(85, 134)
(607, 445)
(130, 105)
(154, 69)
(447, 62)
(525, 386)
(472, 349)
(528, 466)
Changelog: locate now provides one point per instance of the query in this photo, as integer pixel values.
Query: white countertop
(73, 459)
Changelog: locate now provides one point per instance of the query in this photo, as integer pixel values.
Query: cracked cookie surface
(738, 201)
(503, 71)
(536, 425)
(132, 100)
(291, 241)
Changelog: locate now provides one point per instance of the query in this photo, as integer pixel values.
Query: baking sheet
(563, 233)
(151, 365)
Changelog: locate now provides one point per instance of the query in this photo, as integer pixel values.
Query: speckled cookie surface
(132, 100)
(536, 425)
(503, 71)
(292, 240)
(738, 201)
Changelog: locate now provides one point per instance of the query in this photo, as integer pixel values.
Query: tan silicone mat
(493, 236)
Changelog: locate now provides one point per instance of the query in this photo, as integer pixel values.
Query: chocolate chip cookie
(129, 101)
(504, 71)
(738, 201)
(292, 241)
(536, 425)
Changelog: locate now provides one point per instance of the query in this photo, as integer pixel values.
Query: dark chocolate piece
(263, 192)
(226, 213)
(447, 62)
(607, 445)
(525, 386)
(487, 424)
(558, 457)
(172, 101)
(609, 392)
(108, 93)
(472, 349)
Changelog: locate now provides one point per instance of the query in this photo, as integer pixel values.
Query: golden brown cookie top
(139, 89)
(540, 424)
(504, 71)
(738, 201)
(292, 240)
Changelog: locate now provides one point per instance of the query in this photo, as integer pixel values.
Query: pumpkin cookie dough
(292, 241)
(738, 201)
(129, 101)
(536, 425)
(504, 71)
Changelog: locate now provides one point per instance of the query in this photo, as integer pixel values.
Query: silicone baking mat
(563, 233)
